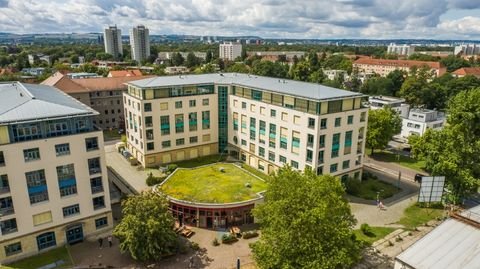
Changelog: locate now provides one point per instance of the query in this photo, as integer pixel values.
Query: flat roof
(31, 102)
(278, 85)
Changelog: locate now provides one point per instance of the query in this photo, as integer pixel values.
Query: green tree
(453, 63)
(239, 68)
(397, 77)
(317, 76)
(104, 56)
(209, 56)
(382, 125)
(378, 86)
(412, 88)
(306, 223)
(146, 229)
(192, 60)
(301, 71)
(177, 59)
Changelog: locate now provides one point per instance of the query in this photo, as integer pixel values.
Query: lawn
(386, 156)
(369, 187)
(111, 135)
(51, 256)
(379, 233)
(414, 216)
(200, 161)
(255, 172)
(209, 185)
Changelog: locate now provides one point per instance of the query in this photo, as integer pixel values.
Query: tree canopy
(306, 223)
(382, 125)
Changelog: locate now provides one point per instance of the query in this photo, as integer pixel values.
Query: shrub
(215, 242)
(249, 234)
(390, 243)
(229, 238)
(152, 180)
(195, 246)
(367, 230)
(353, 186)
(398, 239)
(171, 167)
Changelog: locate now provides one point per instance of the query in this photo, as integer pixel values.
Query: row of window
(179, 123)
(179, 142)
(33, 154)
(147, 107)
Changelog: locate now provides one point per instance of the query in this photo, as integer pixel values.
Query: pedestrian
(100, 242)
(192, 263)
(109, 240)
(380, 205)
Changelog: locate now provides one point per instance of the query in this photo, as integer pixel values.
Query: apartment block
(395, 103)
(112, 37)
(230, 51)
(140, 43)
(419, 120)
(265, 122)
(53, 188)
(383, 67)
(403, 50)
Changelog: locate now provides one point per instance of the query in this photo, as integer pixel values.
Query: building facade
(140, 43)
(230, 51)
(383, 67)
(53, 188)
(467, 50)
(419, 120)
(397, 104)
(262, 121)
(112, 38)
(403, 50)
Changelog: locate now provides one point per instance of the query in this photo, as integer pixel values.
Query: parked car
(418, 178)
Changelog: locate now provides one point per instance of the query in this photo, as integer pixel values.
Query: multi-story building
(53, 178)
(403, 50)
(467, 50)
(103, 94)
(265, 122)
(140, 43)
(230, 51)
(419, 120)
(383, 67)
(397, 104)
(113, 41)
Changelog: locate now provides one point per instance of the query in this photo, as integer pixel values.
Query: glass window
(363, 116)
(165, 125)
(8, 226)
(98, 202)
(309, 156)
(178, 104)
(282, 159)
(294, 164)
(4, 185)
(338, 122)
(335, 145)
(71, 210)
(37, 186)
(261, 152)
(66, 180)
(333, 168)
(31, 154)
(323, 124)
(13, 249)
(94, 166)
(346, 164)
(244, 105)
(101, 222)
(193, 139)
(62, 149)
(46, 240)
(166, 144)
(311, 123)
(147, 107)
(96, 185)
(205, 120)
(271, 156)
(179, 124)
(205, 102)
(180, 142)
(273, 113)
(192, 103)
(321, 154)
(91, 143)
(2, 159)
(150, 146)
(350, 119)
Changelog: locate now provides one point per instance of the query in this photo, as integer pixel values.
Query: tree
(239, 68)
(382, 125)
(306, 223)
(413, 86)
(301, 71)
(177, 59)
(104, 56)
(270, 69)
(146, 229)
(378, 86)
(454, 152)
(453, 63)
(397, 77)
(192, 60)
(209, 56)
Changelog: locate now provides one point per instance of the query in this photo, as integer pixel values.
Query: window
(320, 170)
(164, 106)
(192, 121)
(98, 202)
(165, 125)
(4, 186)
(273, 113)
(179, 125)
(66, 180)
(271, 156)
(311, 123)
(2, 159)
(333, 168)
(309, 156)
(13, 249)
(71, 210)
(310, 140)
(166, 144)
(8, 226)
(147, 107)
(321, 154)
(37, 186)
(205, 120)
(91, 143)
(261, 152)
(323, 124)
(296, 119)
(294, 164)
(6, 206)
(101, 222)
(350, 119)
(348, 143)
(244, 142)
(253, 124)
(193, 139)
(262, 110)
(148, 121)
(282, 159)
(205, 102)
(321, 141)
(46, 240)
(284, 116)
(252, 108)
(335, 106)
(244, 105)
(338, 122)
(94, 165)
(96, 185)
(192, 103)
(335, 145)
(346, 164)
(180, 142)
(62, 149)
(150, 146)
(363, 116)
(178, 104)
(31, 154)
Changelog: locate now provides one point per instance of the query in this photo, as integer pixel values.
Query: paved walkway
(391, 168)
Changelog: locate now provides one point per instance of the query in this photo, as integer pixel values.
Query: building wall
(140, 43)
(230, 51)
(113, 41)
(384, 70)
(16, 167)
(410, 126)
(110, 106)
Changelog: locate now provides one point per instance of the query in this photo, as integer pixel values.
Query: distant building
(464, 71)
(113, 41)
(36, 71)
(167, 55)
(34, 58)
(171, 70)
(467, 50)
(404, 50)
(82, 75)
(125, 73)
(333, 74)
(230, 51)
(419, 120)
(140, 43)
(108, 64)
(383, 67)
(397, 104)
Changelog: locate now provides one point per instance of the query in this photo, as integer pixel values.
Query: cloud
(267, 18)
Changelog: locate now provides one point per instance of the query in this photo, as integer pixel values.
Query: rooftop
(389, 99)
(283, 86)
(474, 71)
(125, 73)
(21, 102)
(399, 63)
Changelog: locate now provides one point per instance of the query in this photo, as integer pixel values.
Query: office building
(265, 122)
(401, 50)
(397, 104)
(53, 178)
(140, 43)
(419, 120)
(230, 51)
(383, 67)
(113, 41)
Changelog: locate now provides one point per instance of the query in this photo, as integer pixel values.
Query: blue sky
(436, 19)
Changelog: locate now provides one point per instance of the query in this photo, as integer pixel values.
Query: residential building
(403, 50)
(274, 56)
(113, 41)
(34, 71)
(467, 50)
(419, 120)
(265, 122)
(82, 75)
(230, 51)
(167, 55)
(465, 71)
(53, 188)
(140, 43)
(125, 73)
(383, 67)
(397, 104)
(171, 70)
(333, 74)
(103, 94)
(35, 58)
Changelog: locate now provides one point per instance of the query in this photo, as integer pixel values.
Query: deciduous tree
(382, 125)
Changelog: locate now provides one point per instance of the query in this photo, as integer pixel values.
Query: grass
(111, 135)
(379, 233)
(389, 157)
(255, 172)
(51, 256)
(369, 187)
(209, 185)
(415, 215)
(199, 161)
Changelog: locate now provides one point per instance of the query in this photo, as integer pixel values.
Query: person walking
(100, 242)
(110, 240)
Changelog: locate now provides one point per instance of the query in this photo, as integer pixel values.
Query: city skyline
(369, 19)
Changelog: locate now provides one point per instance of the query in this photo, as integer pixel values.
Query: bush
(195, 246)
(152, 180)
(353, 186)
(249, 234)
(398, 239)
(215, 242)
(171, 167)
(367, 230)
(229, 238)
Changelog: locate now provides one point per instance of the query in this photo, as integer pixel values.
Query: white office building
(419, 120)
(404, 50)
(230, 51)
(112, 38)
(140, 43)
(397, 104)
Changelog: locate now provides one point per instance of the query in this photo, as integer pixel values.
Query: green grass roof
(208, 185)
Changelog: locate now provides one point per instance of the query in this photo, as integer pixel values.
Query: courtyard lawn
(369, 187)
(113, 134)
(210, 159)
(43, 259)
(208, 185)
(386, 156)
(255, 172)
(415, 215)
(379, 233)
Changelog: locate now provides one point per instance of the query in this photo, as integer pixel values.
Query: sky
(318, 19)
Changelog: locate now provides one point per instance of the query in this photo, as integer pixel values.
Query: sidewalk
(391, 168)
